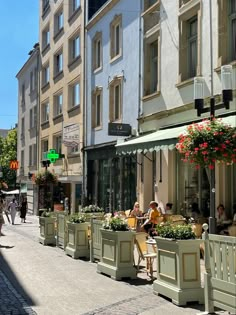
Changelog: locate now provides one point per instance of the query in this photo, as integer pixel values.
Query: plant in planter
(93, 211)
(77, 236)
(178, 264)
(117, 249)
(47, 228)
(208, 142)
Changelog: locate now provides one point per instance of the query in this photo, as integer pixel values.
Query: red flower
(211, 166)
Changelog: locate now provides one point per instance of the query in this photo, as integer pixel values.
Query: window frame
(58, 107)
(45, 112)
(45, 74)
(58, 21)
(116, 82)
(72, 95)
(58, 63)
(97, 59)
(97, 123)
(114, 51)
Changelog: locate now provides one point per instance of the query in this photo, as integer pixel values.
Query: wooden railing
(220, 275)
(95, 239)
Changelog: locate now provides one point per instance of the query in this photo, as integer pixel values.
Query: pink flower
(211, 166)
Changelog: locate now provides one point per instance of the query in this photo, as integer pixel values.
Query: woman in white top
(13, 208)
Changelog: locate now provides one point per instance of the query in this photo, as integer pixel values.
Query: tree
(8, 152)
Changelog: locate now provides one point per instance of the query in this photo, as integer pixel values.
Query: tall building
(61, 94)
(176, 48)
(112, 101)
(27, 136)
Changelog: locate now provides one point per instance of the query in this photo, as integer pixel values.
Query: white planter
(117, 254)
(77, 240)
(178, 270)
(47, 231)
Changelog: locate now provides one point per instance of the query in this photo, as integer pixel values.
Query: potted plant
(178, 264)
(117, 249)
(45, 177)
(93, 211)
(47, 228)
(208, 142)
(77, 236)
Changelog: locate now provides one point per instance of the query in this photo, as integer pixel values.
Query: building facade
(27, 136)
(61, 94)
(176, 48)
(112, 101)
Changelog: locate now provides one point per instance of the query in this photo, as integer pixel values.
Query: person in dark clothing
(23, 210)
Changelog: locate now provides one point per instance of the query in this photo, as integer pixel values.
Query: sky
(19, 24)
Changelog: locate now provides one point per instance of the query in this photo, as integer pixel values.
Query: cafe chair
(127, 213)
(143, 254)
(132, 223)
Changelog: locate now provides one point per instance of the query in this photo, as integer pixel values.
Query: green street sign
(52, 156)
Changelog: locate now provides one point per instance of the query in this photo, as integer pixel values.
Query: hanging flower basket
(208, 142)
(46, 177)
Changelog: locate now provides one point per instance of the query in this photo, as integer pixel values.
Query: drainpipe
(140, 103)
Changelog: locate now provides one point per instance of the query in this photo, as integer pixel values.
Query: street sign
(14, 165)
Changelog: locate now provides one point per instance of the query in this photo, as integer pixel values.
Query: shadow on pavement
(5, 246)
(14, 299)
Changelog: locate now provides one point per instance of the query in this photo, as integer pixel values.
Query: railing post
(91, 240)
(209, 307)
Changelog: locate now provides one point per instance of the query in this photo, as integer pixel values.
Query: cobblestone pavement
(11, 302)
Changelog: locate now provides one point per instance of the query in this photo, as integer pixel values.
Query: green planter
(178, 270)
(62, 217)
(117, 254)
(77, 240)
(47, 231)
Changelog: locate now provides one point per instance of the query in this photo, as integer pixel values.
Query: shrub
(77, 218)
(46, 177)
(177, 232)
(116, 224)
(91, 209)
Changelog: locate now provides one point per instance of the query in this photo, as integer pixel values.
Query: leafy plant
(116, 224)
(77, 218)
(177, 232)
(91, 209)
(45, 177)
(208, 142)
(46, 214)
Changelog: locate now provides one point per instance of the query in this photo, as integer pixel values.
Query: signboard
(116, 129)
(14, 165)
(71, 135)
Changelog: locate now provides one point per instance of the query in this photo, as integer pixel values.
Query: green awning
(159, 140)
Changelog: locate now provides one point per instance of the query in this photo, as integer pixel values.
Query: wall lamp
(227, 93)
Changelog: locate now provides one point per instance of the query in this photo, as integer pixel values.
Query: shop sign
(116, 129)
(14, 165)
(71, 135)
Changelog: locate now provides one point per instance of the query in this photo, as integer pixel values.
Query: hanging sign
(71, 135)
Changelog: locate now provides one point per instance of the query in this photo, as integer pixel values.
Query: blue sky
(19, 23)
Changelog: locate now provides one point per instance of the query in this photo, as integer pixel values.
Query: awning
(159, 140)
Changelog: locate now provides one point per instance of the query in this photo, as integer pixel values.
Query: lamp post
(227, 96)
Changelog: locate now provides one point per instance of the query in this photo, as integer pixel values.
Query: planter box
(47, 231)
(62, 217)
(117, 254)
(178, 270)
(77, 240)
(94, 215)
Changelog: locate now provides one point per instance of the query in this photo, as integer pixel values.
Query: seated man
(152, 220)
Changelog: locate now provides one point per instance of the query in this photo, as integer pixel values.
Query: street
(37, 279)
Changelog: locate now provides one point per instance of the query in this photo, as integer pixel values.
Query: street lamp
(227, 96)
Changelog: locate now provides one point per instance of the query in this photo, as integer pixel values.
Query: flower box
(117, 254)
(47, 231)
(77, 240)
(178, 270)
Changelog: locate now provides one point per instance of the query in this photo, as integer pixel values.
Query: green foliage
(177, 232)
(45, 177)
(46, 214)
(91, 209)
(77, 218)
(8, 152)
(116, 224)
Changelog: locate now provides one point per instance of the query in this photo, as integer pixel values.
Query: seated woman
(152, 220)
(220, 218)
(136, 212)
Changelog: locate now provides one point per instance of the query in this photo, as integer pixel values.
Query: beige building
(61, 103)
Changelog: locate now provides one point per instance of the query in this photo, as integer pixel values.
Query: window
(58, 22)
(23, 129)
(23, 95)
(97, 51)
(35, 154)
(192, 47)
(30, 155)
(45, 38)
(151, 60)
(75, 4)
(115, 37)
(58, 63)
(74, 94)
(97, 108)
(45, 5)
(58, 103)
(22, 155)
(189, 41)
(232, 30)
(153, 66)
(148, 4)
(45, 74)
(115, 100)
(33, 80)
(31, 118)
(73, 150)
(74, 47)
(44, 147)
(57, 143)
(45, 112)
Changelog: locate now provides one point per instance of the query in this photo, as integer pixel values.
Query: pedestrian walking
(6, 210)
(23, 210)
(13, 208)
(1, 215)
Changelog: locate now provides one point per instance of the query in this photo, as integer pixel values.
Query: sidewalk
(42, 280)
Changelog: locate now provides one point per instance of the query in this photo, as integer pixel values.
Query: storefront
(111, 180)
